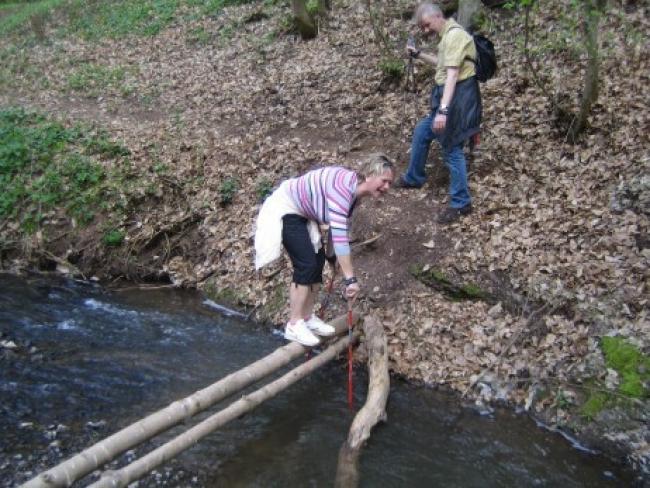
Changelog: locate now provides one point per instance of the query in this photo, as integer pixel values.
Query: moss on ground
(438, 280)
(225, 296)
(632, 366)
(633, 369)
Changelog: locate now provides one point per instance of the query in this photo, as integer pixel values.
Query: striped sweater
(326, 195)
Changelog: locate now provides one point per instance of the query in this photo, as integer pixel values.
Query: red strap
(350, 387)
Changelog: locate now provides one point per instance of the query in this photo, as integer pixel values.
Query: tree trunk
(137, 469)
(593, 10)
(93, 457)
(374, 410)
(467, 13)
(305, 23)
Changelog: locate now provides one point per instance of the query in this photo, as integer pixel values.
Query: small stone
(495, 311)
(611, 380)
(96, 425)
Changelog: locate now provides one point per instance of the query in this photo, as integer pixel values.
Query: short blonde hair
(376, 164)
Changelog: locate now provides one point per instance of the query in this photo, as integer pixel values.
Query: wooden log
(78, 466)
(140, 467)
(373, 411)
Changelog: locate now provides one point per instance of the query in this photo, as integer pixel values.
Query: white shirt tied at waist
(268, 228)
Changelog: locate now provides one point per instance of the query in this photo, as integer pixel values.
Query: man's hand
(412, 51)
(439, 123)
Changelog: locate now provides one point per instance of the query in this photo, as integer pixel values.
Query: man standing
(455, 108)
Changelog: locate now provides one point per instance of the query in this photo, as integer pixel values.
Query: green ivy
(45, 166)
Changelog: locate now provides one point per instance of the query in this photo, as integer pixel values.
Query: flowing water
(78, 363)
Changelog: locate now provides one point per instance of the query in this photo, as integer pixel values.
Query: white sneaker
(300, 333)
(317, 326)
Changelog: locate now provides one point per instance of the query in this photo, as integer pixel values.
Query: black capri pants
(307, 264)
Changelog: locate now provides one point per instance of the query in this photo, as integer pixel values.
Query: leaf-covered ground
(218, 109)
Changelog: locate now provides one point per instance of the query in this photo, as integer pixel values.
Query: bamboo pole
(140, 467)
(78, 466)
(373, 411)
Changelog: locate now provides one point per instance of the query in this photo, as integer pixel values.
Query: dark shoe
(453, 214)
(402, 183)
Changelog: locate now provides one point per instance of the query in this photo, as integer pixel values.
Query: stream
(79, 362)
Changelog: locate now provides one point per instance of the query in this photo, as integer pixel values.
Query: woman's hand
(352, 290)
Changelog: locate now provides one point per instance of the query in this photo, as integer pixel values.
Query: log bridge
(95, 456)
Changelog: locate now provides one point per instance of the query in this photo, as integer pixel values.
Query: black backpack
(485, 63)
(486, 58)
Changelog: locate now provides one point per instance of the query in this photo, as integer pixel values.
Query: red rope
(350, 387)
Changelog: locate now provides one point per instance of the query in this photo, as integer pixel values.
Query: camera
(412, 49)
(410, 43)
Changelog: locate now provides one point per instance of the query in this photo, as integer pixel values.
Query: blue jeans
(454, 158)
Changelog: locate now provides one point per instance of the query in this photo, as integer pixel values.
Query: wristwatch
(443, 110)
(350, 280)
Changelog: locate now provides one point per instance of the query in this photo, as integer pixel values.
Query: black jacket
(465, 112)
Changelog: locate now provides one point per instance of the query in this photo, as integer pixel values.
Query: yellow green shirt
(455, 45)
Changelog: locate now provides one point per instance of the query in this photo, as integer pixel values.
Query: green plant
(287, 25)
(113, 238)
(118, 19)
(227, 32)
(575, 34)
(214, 7)
(561, 400)
(199, 36)
(21, 17)
(45, 167)
(392, 68)
(95, 20)
(595, 404)
(263, 188)
(227, 190)
(93, 79)
(160, 168)
(313, 7)
(18, 69)
(101, 145)
(269, 38)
